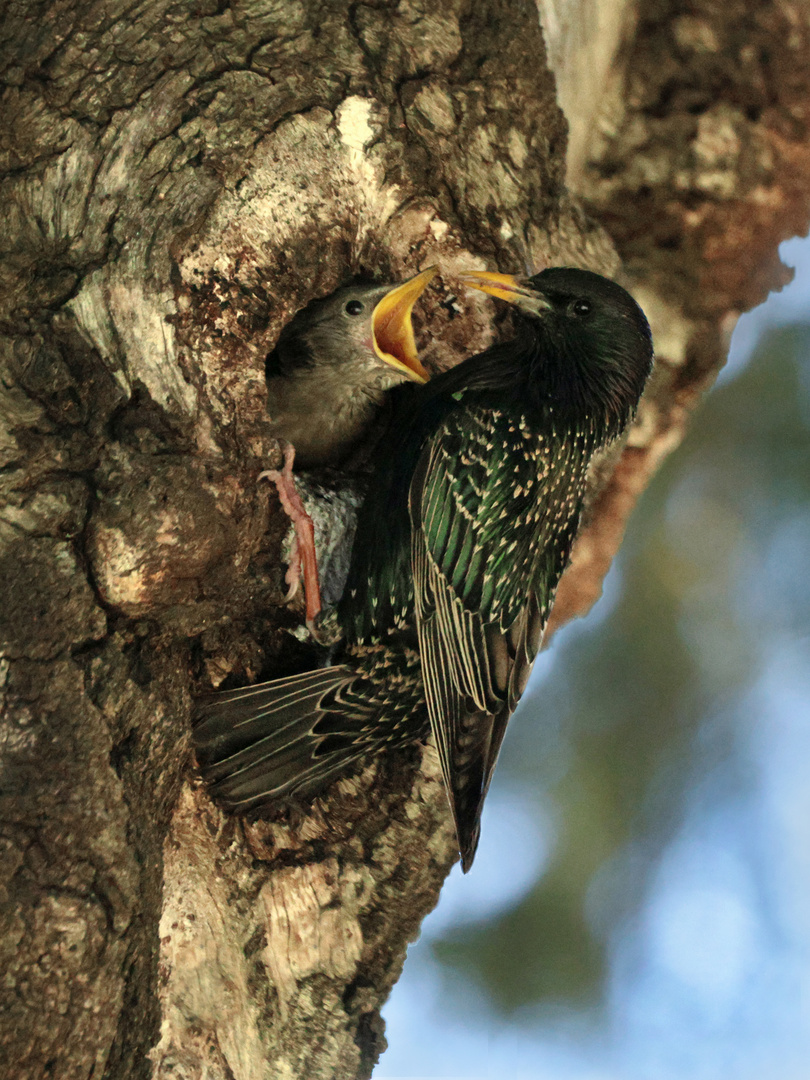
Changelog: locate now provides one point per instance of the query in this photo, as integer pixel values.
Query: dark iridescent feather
(291, 737)
(461, 543)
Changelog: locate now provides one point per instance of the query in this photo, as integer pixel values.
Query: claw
(303, 557)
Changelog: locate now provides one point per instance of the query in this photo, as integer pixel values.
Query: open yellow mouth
(504, 286)
(391, 328)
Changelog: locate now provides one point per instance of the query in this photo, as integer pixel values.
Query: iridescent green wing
(494, 508)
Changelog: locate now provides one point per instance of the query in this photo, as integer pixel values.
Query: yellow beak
(504, 286)
(392, 330)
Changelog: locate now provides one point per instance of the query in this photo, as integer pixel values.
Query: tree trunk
(177, 181)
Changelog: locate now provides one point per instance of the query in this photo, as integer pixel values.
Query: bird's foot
(303, 558)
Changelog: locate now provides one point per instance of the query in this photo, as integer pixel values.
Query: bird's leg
(303, 556)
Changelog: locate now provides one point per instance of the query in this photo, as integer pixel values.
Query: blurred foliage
(713, 570)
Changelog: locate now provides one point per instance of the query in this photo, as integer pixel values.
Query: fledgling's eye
(354, 307)
(581, 307)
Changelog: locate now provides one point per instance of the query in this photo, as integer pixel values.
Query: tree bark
(178, 180)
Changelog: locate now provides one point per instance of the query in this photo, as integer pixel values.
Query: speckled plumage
(461, 543)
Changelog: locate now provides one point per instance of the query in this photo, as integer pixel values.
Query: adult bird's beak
(391, 328)
(504, 286)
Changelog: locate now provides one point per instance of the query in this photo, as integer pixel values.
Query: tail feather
(263, 742)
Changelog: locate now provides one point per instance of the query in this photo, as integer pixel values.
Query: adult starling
(327, 378)
(463, 538)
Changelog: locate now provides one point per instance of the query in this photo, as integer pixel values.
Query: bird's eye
(581, 307)
(354, 307)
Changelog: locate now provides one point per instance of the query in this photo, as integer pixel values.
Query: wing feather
(294, 735)
(482, 587)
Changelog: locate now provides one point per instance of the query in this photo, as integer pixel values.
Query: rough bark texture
(177, 180)
(693, 152)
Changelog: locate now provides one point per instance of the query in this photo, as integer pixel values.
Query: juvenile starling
(465, 533)
(335, 360)
(327, 377)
